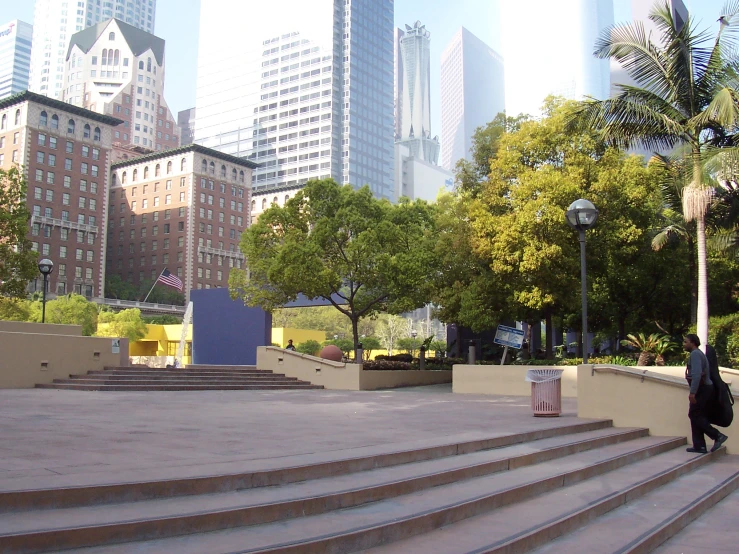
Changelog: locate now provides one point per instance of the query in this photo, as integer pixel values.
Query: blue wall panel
(226, 332)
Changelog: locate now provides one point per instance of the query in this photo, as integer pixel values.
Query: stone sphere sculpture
(331, 352)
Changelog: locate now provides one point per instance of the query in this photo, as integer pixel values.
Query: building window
(157, 170)
(86, 131)
(70, 127)
(111, 36)
(43, 119)
(54, 121)
(96, 134)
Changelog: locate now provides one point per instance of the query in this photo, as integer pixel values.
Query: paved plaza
(59, 438)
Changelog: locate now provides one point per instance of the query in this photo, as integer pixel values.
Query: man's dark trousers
(699, 420)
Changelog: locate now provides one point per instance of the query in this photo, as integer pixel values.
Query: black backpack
(720, 409)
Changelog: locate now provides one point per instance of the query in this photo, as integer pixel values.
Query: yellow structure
(280, 335)
(163, 340)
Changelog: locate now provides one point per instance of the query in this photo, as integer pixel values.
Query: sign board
(508, 337)
(115, 346)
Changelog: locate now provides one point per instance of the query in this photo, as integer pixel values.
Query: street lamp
(414, 333)
(45, 266)
(582, 215)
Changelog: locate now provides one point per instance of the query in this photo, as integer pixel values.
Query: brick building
(65, 154)
(114, 68)
(182, 209)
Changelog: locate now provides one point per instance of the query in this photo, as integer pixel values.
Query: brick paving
(57, 438)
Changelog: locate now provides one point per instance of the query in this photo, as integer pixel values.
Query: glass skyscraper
(305, 90)
(15, 57)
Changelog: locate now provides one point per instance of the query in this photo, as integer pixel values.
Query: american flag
(166, 278)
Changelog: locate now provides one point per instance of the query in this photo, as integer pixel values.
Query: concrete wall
(341, 376)
(507, 380)
(375, 380)
(43, 328)
(31, 358)
(638, 398)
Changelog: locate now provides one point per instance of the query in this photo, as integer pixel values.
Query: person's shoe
(696, 450)
(719, 441)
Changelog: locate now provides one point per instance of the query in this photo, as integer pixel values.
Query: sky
(177, 22)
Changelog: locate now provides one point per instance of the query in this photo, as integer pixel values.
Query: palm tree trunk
(702, 315)
(693, 282)
(696, 198)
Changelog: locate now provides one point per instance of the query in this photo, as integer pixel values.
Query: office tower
(65, 153)
(117, 69)
(640, 13)
(15, 57)
(413, 70)
(186, 124)
(54, 23)
(183, 210)
(548, 48)
(305, 90)
(472, 93)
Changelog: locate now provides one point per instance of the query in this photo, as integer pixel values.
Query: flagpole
(154, 285)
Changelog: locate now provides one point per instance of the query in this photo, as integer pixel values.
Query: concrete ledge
(506, 380)
(342, 376)
(29, 359)
(41, 328)
(638, 397)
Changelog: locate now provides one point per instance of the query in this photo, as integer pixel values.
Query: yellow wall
(155, 343)
(507, 380)
(280, 335)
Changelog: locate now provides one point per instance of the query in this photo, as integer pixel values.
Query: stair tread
(248, 539)
(485, 532)
(169, 507)
(463, 442)
(717, 528)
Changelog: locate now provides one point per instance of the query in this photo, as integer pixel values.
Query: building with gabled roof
(114, 68)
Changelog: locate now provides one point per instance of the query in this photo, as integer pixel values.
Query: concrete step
(208, 367)
(715, 531)
(183, 372)
(153, 375)
(146, 381)
(183, 387)
(135, 369)
(271, 473)
(356, 528)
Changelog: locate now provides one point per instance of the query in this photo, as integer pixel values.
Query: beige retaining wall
(638, 398)
(506, 380)
(341, 376)
(28, 359)
(43, 328)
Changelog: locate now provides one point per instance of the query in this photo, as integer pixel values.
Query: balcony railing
(64, 224)
(235, 254)
(143, 306)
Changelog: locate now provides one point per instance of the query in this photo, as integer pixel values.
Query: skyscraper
(545, 59)
(15, 57)
(472, 93)
(116, 69)
(413, 70)
(305, 90)
(54, 23)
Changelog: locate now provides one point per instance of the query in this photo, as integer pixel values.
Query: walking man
(701, 393)
(290, 345)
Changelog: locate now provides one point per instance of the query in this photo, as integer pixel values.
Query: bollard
(471, 353)
(422, 358)
(359, 354)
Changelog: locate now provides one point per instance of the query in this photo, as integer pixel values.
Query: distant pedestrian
(701, 393)
(290, 345)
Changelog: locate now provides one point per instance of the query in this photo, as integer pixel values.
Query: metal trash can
(546, 391)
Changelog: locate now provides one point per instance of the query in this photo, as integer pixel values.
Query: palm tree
(686, 96)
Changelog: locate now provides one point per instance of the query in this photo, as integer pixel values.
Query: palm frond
(724, 241)
(722, 111)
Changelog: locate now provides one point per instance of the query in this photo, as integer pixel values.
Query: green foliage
(312, 347)
(642, 342)
(321, 318)
(410, 345)
(723, 335)
(18, 263)
(369, 345)
(343, 245)
(126, 323)
(165, 319)
(345, 345)
(71, 309)
(437, 346)
(13, 309)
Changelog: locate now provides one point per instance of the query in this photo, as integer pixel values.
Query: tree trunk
(550, 336)
(702, 312)
(355, 331)
(693, 282)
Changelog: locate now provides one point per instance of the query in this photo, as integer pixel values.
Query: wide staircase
(193, 377)
(581, 487)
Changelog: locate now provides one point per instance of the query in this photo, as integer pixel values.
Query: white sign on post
(510, 337)
(115, 346)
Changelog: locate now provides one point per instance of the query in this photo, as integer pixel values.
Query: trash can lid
(543, 375)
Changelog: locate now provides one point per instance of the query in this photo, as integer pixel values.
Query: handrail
(643, 375)
(308, 356)
(141, 305)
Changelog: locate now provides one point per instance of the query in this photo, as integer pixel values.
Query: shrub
(395, 358)
(312, 347)
(722, 333)
(385, 365)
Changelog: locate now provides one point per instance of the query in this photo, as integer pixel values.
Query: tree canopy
(126, 323)
(361, 254)
(17, 260)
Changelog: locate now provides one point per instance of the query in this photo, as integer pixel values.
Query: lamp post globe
(45, 266)
(581, 216)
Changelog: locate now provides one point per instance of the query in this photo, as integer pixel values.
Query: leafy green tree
(310, 346)
(370, 344)
(164, 319)
(345, 345)
(410, 345)
(126, 323)
(71, 309)
(14, 309)
(17, 260)
(686, 96)
(361, 254)
(116, 287)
